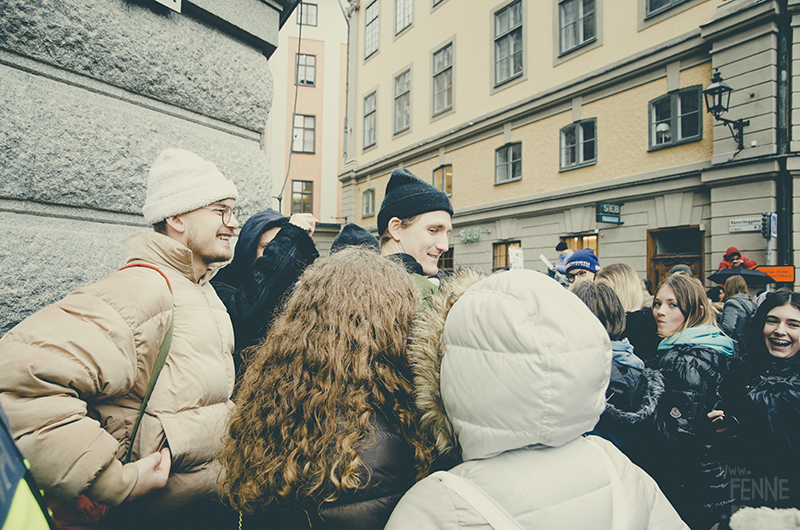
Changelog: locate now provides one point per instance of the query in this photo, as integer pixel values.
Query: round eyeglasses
(227, 213)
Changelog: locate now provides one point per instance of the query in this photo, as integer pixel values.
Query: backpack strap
(487, 507)
(163, 350)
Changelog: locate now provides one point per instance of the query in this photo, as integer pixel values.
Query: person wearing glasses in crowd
(582, 266)
(271, 253)
(73, 375)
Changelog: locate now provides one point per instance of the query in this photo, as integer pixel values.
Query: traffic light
(765, 228)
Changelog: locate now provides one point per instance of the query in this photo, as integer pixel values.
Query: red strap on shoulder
(169, 285)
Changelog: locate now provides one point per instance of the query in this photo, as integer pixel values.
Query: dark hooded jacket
(631, 400)
(252, 289)
(735, 318)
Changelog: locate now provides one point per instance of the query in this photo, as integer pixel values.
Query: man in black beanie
(414, 226)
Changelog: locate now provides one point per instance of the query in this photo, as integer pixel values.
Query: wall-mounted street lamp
(718, 97)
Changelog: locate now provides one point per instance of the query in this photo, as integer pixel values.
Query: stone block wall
(91, 91)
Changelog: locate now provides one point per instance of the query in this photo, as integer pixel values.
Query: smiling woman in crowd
(764, 413)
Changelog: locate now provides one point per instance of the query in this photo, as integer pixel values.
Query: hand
(153, 473)
(306, 221)
(723, 427)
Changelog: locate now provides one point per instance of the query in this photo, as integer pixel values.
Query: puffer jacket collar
(151, 246)
(507, 362)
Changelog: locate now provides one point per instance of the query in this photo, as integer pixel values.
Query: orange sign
(779, 273)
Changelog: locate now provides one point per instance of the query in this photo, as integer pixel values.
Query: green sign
(471, 234)
(608, 212)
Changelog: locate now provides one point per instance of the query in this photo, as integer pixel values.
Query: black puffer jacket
(766, 451)
(392, 473)
(631, 400)
(252, 289)
(735, 318)
(682, 457)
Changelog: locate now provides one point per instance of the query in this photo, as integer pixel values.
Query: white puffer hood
(524, 362)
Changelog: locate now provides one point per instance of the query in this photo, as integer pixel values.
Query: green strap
(162, 357)
(163, 351)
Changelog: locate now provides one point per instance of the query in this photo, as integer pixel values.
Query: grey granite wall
(90, 92)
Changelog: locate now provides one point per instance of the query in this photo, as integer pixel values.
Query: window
(577, 23)
(508, 43)
(370, 119)
(657, 6)
(579, 144)
(443, 79)
(402, 101)
(508, 163)
(403, 14)
(368, 203)
(303, 134)
(302, 196)
(307, 14)
(443, 179)
(371, 29)
(500, 255)
(676, 118)
(435, 3)
(306, 69)
(578, 242)
(446, 261)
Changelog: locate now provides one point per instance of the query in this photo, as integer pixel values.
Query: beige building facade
(582, 121)
(305, 130)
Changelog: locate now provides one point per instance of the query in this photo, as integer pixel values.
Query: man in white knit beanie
(74, 375)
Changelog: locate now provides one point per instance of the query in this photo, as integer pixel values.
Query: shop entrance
(667, 247)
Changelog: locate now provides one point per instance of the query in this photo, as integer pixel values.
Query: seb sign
(471, 234)
(608, 212)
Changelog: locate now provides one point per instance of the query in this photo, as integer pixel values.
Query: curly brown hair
(333, 360)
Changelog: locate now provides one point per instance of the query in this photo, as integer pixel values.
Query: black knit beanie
(407, 196)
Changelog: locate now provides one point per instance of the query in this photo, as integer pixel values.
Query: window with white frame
(402, 101)
(302, 196)
(657, 6)
(443, 179)
(306, 69)
(307, 14)
(579, 144)
(577, 23)
(443, 79)
(368, 203)
(370, 119)
(303, 134)
(371, 28)
(676, 118)
(508, 163)
(508, 43)
(403, 14)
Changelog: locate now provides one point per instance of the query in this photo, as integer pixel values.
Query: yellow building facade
(537, 115)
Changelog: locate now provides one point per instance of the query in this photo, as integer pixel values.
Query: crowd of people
(203, 387)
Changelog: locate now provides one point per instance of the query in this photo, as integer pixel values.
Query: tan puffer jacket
(72, 378)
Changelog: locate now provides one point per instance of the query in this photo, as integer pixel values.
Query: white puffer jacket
(523, 374)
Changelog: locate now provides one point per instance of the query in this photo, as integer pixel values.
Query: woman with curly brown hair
(325, 433)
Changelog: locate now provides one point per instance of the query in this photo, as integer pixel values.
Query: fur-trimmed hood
(506, 362)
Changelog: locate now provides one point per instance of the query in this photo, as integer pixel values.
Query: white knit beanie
(181, 181)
